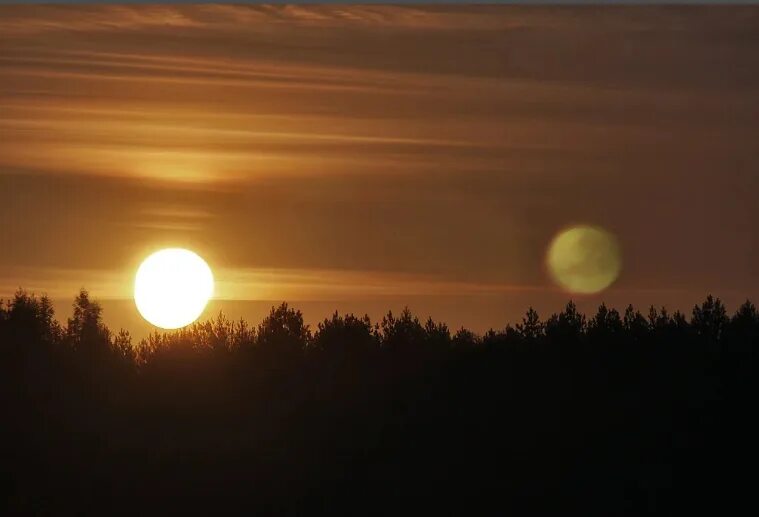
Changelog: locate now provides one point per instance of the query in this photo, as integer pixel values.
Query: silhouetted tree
(531, 329)
(29, 321)
(283, 330)
(344, 335)
(122, 346)
(502, 338)
(635, 325)
(438, 336)
(85, 330)
(605, 325)
(744, 324)
(464, 339)
(710, 319)
(402, 333)
(151, 347)
(741, 343)
(567, 326)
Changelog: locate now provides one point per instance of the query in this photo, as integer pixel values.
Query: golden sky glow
(337, 154)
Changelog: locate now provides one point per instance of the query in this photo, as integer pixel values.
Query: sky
(363, 158)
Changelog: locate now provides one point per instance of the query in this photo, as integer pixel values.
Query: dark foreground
(613, 415)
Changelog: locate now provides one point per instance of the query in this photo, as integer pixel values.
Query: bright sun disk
(172, 287)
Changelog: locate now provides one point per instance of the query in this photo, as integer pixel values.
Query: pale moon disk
(584, 259)
(172, 287)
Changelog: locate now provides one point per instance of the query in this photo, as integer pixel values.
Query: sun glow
(172, 287)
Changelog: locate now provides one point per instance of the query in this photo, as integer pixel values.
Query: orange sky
(366, 157)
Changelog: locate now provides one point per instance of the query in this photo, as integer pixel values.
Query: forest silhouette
(618, 413)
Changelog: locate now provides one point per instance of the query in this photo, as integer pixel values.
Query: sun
(172, 287)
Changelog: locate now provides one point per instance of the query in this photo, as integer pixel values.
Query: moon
(584, 259)
(172, 288)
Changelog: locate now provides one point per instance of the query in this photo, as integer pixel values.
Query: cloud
(444, 143)
(259, 284)
(38, 19)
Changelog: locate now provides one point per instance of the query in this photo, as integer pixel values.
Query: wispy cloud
(252, 284)
(37, 19)
(445, 144)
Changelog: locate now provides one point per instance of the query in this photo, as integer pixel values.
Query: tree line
(28, 321)
(615, 413)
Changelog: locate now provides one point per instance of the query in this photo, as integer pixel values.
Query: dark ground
(609, 416)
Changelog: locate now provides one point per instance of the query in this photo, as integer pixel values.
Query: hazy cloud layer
(442, 146)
